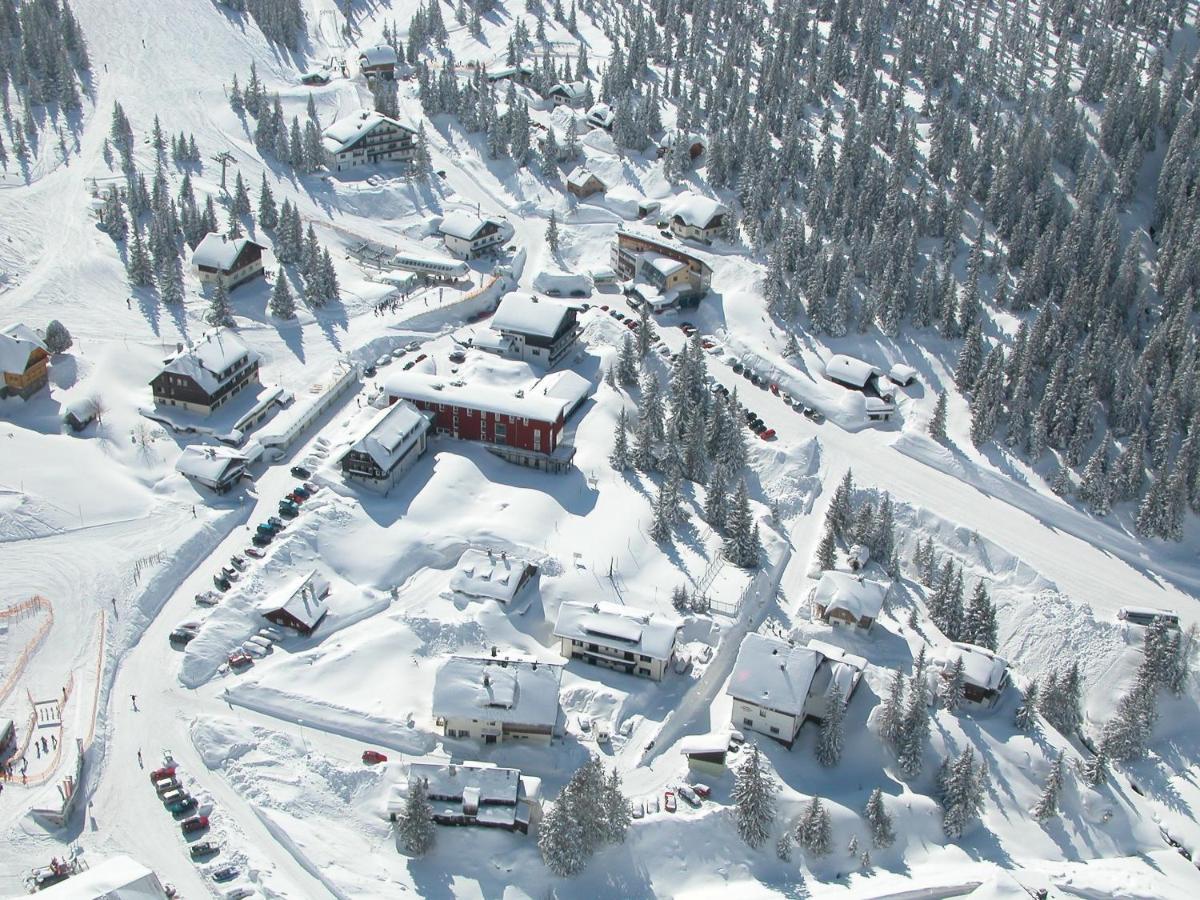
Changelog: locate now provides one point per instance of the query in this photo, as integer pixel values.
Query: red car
(774, 389)
(160, 774)
(295, 498)
(371, 757)
(669, 801)
(239, 659)
(767, 434)
(702, 790)
(195, 823)
(254, 553)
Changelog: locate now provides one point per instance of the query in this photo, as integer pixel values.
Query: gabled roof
(529, 315)
(581, 175)
(464, 224)
(492, 783)
(217, 251)
(566, 385)
(205, 360)
(981, 667)
(514, 692)
(858, 596)
(484, 573)
(343, 134)
(664, 265)
(391, 434)
(849, 370)
(17, 343)
(305, 601)
(602, 114)
(628, 627)
(697, 211)
(484, 397)
(380, 55)
(118, 878)
(572, 90)
(772, 673)
(209, 464)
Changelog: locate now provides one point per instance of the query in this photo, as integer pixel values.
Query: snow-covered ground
(118, 545)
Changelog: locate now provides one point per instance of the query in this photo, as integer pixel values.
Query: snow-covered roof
(566, 385)
(381, 55)
(346, 132)
(855, 595)
(601, 114)
(848, 370)
(484, 573)
(464, 224)
(697, 211)
(526, 314)
(627, 627)
(878, 405)
(981, 667)
(713, 742)
(902, 374)
(305, 600)
(572, 90)
(205, 360)
(664, 265)
(488, 782)
(117, 878)
(217, 251)
(773, 673)
(836, 666)
(487, 339)
(497, 690)
(581, 175)
(209, 464)
(565, 119)
(488, 398)
(391, 434)
(17, 342)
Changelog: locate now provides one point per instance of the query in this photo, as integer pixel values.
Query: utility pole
(224, 158)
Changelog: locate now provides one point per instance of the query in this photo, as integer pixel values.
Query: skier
(140, 758)
(133, 700)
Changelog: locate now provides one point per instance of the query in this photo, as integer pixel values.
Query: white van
(1145, 616)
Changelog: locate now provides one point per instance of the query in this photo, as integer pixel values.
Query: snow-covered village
(594, 449)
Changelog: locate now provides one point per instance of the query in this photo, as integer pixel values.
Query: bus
(1146, 616)
(435, 268)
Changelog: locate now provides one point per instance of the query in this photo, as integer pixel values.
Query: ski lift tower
(224, 158)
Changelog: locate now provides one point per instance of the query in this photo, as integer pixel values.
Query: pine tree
(891, 710)
(952, 688)
(961, 792)
(627, 367)
(1025, 717)
(58, 339)
(783, 847)
(241, 196)
(1047, 805)
(664, 515)
(827, 551)
(220, 312)
(139, 267)
(268, 215)
(617, 814)
(415, 827)
(979, 625)
(937, 425)
(741, 544)
(282, 305)
(754, 799)
(552, 236)
(914, 727)
(1095, 769)
(814, 833)
(170, 281)
(560, 840)
(879, 820)
(831, 738)
(619, 457)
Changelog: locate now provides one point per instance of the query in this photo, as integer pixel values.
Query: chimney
(494, 649)
(486, 680)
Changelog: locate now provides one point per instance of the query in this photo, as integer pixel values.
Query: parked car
(301, 472)
(385, 360)
(689, 795)
(815, 415)
(288, 509)
(238, 562)
(181, 806)
(669, 801)
(664, 232)
(254, 553)
(398, 352)
(652, 805)
(230, 573)
(165, 785)
(237, 893)
(221, 582)
(702, 790)
(369, 370)
(159, 774)
(458, 356)
(225, 873)
(239, 659)
(194, 824)
(767, 434)
(204, 848)
(181, 636)
(302, 491)
(638, 809)
(774, 388)
(371, 757)
(207, 598)
(276, 523)
(262, 539)
(298, 499)
(413, 346)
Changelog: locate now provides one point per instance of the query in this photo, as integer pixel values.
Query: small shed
(902, 375)
(78, 414)
(300, 607)
(706, 753)
(844, 599)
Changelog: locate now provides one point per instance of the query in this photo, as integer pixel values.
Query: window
(643, 671)
(749, 723)
(762, 713)
(774, 730)
(537, 445)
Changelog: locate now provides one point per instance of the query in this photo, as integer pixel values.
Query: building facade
(630, 256)
(468, 235)
(495, 699)
(538, 331)
(219, 260)
(204, 376)
(623, 638)
(24, 362)
(366, 139)
(392, 444)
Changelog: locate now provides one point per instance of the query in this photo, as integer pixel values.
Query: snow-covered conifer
(282, 305)
(831, 738)
(814, 833)
(415, 826)
(754, 799)
(1047, 805)
(879, 820)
